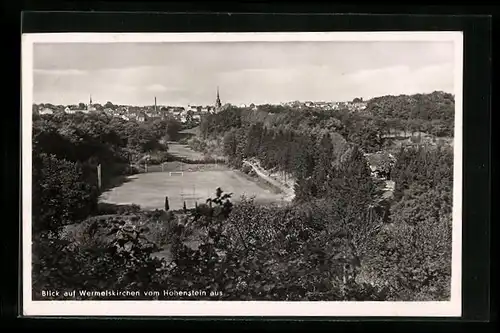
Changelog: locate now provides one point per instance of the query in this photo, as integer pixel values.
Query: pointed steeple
(217, 101)
(90, 103)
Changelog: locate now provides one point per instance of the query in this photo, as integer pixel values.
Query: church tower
(90, 107)
(217, 101)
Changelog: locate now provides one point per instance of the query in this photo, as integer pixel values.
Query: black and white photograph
(259, 174)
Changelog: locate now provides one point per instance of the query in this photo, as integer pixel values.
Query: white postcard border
(451, 308)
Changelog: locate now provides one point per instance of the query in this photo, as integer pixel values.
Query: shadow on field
(116, 181)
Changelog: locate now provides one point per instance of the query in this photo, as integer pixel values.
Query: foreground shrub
(124, 264)
(415, 260)
(60, 193)
(268, 253)
(310, 251)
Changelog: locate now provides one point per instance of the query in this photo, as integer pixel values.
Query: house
(359, 106)
(124, 117)
(155, 117)
(380, 164)
(323, 105)
(141, 117)
(46, 111)
(197, 117)
(73, 110)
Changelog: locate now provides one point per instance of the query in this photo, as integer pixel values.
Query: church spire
(217, 101)
(89, 107)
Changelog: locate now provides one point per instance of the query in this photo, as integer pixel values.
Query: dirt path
(289, 193)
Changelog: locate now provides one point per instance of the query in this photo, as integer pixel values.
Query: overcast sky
(246, 72)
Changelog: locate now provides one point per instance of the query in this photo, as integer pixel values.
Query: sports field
(196, 183)
(148, 190)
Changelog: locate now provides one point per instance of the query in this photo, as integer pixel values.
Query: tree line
(67, 150)
(80, 106)
(429, 113)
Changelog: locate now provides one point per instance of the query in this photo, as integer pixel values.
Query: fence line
(148, 168)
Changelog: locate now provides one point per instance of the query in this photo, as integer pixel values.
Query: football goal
(176, 173)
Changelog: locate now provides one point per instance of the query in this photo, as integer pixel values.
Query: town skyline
(246, 72)
(102, 103)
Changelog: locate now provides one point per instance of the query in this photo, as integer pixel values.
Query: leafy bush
(267, 253)
(128, 209)
(246, 169)
(158, 157)
(161, 227)
(60, 193)
(124, 264)
(416, 260)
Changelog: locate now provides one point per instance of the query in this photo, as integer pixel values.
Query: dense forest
(429, 113)
(315, 146)
(330, 243)
(433, 113)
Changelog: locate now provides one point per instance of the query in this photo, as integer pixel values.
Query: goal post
(176, 173)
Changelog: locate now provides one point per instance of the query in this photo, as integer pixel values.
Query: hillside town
(185, 114)
(128, 112)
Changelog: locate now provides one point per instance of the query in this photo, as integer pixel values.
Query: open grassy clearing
(148, 190)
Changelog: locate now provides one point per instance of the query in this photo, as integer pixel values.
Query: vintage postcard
(242, 174)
